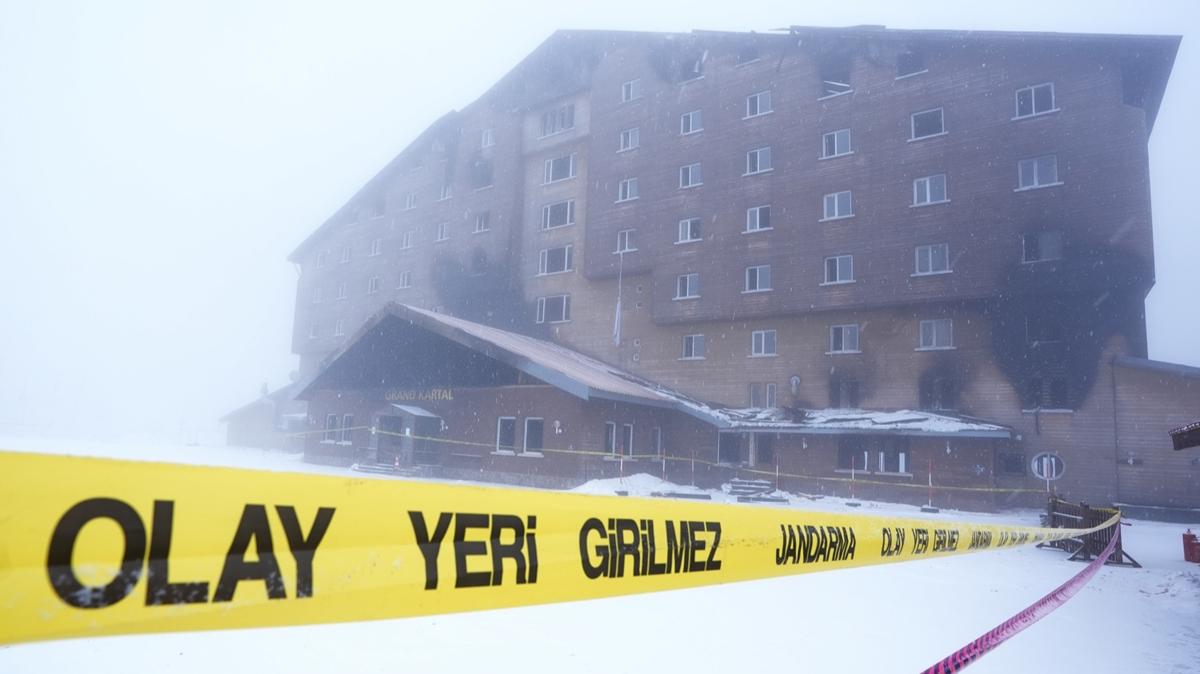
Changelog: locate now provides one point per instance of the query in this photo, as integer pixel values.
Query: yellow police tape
(97, 546)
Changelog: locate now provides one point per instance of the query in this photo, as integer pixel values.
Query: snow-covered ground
(892, 618)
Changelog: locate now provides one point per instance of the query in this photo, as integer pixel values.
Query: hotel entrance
(408, 436)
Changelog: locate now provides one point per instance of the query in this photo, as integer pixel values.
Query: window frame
(507, 449)
(692, 127)
(838, 264)
(686, 280)
(757, 273)
(1025, 259)
(405, 281)
(406, 240)
(913, 137)
(1035, 163)
(923, 186)
(543, 303)
(548, 174)
(483, 222)
(757, 97)
(347, 430)
(631, 90)
(610, 437)
(758, 211)
(563, 117)
(443, 232)
(835, 135)
(929, 258)
(934, 345)
(691, 344)
(548, 209)
(692, 239)
(757, 154)
(376, 248)
(1032, 89)
(537, 451)
(487, 138)
(544, 260)
(842, 330)
(758, 343)
(627, 190)
(374, 283)
(629, 139)
(331, 430)
(625, 242)
(694, 174)
(838, 215)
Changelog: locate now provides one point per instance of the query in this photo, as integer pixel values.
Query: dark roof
(1174, 369)
(283, 395)
(589, 378)
(1150, 57)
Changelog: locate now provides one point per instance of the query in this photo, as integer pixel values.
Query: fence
(1064, 514)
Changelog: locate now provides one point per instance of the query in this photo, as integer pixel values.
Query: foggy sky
(158, 161)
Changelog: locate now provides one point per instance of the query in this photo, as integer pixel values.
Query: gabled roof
(589, 379)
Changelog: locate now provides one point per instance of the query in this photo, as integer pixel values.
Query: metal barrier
(1062, 514)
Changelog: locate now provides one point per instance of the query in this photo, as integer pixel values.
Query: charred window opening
(479, 262)
(558, 120)
(481, 173)
(1047, 393)
(893, 455)
(378, 207)
(1011, 463)
(729, 448)
(764, 449)
(910, 63)
(1045, 327)
(938, 392)
(843, 392)
(691, 66)
(835, 75)
(852, 455)
(748, 54)
(1042, 246)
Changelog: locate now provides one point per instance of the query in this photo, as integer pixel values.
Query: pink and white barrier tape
(958, 660)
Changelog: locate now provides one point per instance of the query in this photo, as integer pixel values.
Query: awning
(416, 411)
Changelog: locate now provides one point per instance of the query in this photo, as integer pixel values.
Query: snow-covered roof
(589, 378)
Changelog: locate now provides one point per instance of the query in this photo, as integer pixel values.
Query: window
(322, 257)
(446, 193)
(479, 262)
(893, 456)
(348, 429)
(630, 138)
(835, 144)
(406, 240)
(758, 278)
(487, 138)
(631, 90)
(610, 437)
(843, 338)
(927, 123)
(689, 230)
(405, 280)
(376, 247)
(693, 347)
(910, 63)
(481, 174)
(627, 189)
(1049, 393)
(1042, 246)
(558, 120)
(554, 309)
(690, 122)
(373, 285)
(341, 294)
(938, 392)
(843, 393)
(1047, 466)
(758, 218)
(929, 190)
(558, 214)
(443, 231)
(410, 201)
(748, 54)
(483, 221)
(758, 160)
(762, 394)
(1043, 327)
(378, 207)
(839, 269)
(506, 434)
(534, 432)
(346, 253)
(933, 259)
(1011, 463)
(554, 260)
(560, 168)
(627, 439)
(339, 328)
(1035, 100)
(762, 343)
(835, 75)
(625, 241)
(1037, 172)
(317, 295)
(838, 205)
(851, 454)
(689, 176)
(657, 438)
(314, 331)
(331, 428)
(687, 286)
(937, 334)
(758, 104)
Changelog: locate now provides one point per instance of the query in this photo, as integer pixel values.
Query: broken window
(927, 123)
(910, 63)
(843, 393)
(558, 120)
(1042, 246)
(835, 75)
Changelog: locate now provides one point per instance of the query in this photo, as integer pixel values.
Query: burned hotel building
(863, 259)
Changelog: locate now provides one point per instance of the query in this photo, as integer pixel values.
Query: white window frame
(446, 193)
(923, 191)
(840, 262)
(443, 232)
(316, 297)
(513, 448)
(483, 222)
(754, 215)
(547, 209)
(347, 254)
(695, 176)
(1034, 112)
(836, 135)
(541, 308)
(755, 163)
(927, 251)
(487, 138)
(695, 122)
(691, 345)
(525, 437)
(406, 240)
(835, 198)
(757, 272)
(933, 344)
(844, 330)
(687, 281)
(627, 190)
(759, 343)
(339, 328)
(629, 139)
(376, 248)
(560, 125)
(346, 437)
(331, 432)
(627, 433)
(1037, 177)
(685, 225)
(405, 280)
(758, 99)
(342, 292)
(544, 259)
(322, 259)
(410, 201)
(913, 124)
(610, 437)
(314, 330)
(373, 285)
(548, 176)
(631, 90)
(625, 242)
